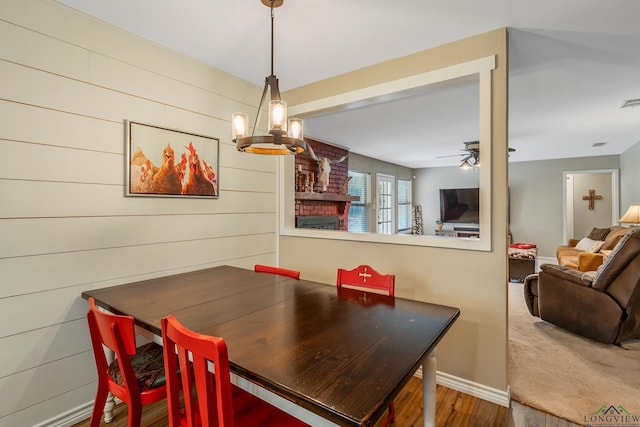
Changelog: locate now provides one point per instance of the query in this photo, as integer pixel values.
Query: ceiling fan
(471, 154)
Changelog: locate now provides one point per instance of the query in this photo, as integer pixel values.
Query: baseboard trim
(546, 260)
(499, 397)
(70, 417)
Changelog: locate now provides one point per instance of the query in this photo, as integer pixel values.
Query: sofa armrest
(531, 294)
(573, 242)
(589, 261)
(561, 272)
(566, 300)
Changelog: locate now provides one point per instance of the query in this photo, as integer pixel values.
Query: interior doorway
(590, 200)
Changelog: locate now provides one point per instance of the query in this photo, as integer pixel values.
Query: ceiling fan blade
(471, 149)
(453, 155)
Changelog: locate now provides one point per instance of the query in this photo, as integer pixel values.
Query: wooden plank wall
(68, 83)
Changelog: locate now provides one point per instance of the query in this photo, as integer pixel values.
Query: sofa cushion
(570, 261)
(566, 251)
(589, 245)
(629, 249)
(598, 233)
(615, 234)
(615, 241)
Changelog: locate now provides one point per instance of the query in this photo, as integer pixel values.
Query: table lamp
(632, 216)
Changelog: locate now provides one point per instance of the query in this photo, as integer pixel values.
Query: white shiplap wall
(68, 83)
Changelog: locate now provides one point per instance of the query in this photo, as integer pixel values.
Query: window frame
(482, 69)
(408, 204)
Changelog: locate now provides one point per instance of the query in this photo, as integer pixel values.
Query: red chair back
(367, 278)
(213, 406)
(276, 270)
(219, 403)
(117, 333)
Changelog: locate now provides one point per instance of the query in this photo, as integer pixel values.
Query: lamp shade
(632, 216)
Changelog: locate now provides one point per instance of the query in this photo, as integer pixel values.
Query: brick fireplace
(330, 203)
(324, 222)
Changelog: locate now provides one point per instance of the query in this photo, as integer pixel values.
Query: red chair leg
(134, 414)
(98, 405)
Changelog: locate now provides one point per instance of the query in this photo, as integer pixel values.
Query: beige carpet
(566, 375)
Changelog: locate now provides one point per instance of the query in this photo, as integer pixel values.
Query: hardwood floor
(453, 409)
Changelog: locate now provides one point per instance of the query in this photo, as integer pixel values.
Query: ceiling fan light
(465, 163)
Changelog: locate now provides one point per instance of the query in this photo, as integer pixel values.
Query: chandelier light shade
(277, 117)
(239, 125)
(632, 216)
(285, 136)
(296, 128)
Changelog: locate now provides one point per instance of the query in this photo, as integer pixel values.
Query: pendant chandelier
(285, 136)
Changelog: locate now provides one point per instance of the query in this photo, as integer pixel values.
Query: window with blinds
(404, 205)
(359, 211)
(385, 196)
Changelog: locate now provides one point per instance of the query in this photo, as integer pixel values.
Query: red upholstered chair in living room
(136, 376)
(219, 403)
(276, 270)
(367, 278)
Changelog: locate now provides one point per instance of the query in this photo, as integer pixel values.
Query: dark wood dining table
(339, 354)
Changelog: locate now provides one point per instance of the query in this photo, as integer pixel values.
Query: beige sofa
(586, 260)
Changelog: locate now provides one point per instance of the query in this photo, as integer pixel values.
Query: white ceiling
(572, 65)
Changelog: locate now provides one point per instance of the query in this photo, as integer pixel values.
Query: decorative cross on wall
(364, 275)
(592, 198)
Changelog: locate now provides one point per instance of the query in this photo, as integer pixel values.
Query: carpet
(566, 375)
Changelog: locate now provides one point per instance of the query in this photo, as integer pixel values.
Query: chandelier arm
(264, 94)
(272, 82)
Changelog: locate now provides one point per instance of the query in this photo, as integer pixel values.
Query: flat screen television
(460, 205)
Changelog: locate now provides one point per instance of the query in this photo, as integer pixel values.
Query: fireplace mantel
(328, 197)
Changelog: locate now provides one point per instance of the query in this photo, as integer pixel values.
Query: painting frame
(163, 162)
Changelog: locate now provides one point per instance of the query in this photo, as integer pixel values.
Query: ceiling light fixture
(473, 159)
(280, 140)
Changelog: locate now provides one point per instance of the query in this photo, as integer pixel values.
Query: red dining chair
(136, 376)
(219, 403)
(276, 270)
(367, 278)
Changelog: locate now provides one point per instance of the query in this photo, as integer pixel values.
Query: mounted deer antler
(324, 167)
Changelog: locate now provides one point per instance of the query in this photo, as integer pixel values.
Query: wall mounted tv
(460, 205)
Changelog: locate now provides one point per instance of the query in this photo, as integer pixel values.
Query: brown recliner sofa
(603, 305)
(570, 256)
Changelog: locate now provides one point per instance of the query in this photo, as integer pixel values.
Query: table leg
(110, 404)
(110, 355)
(429, 366)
